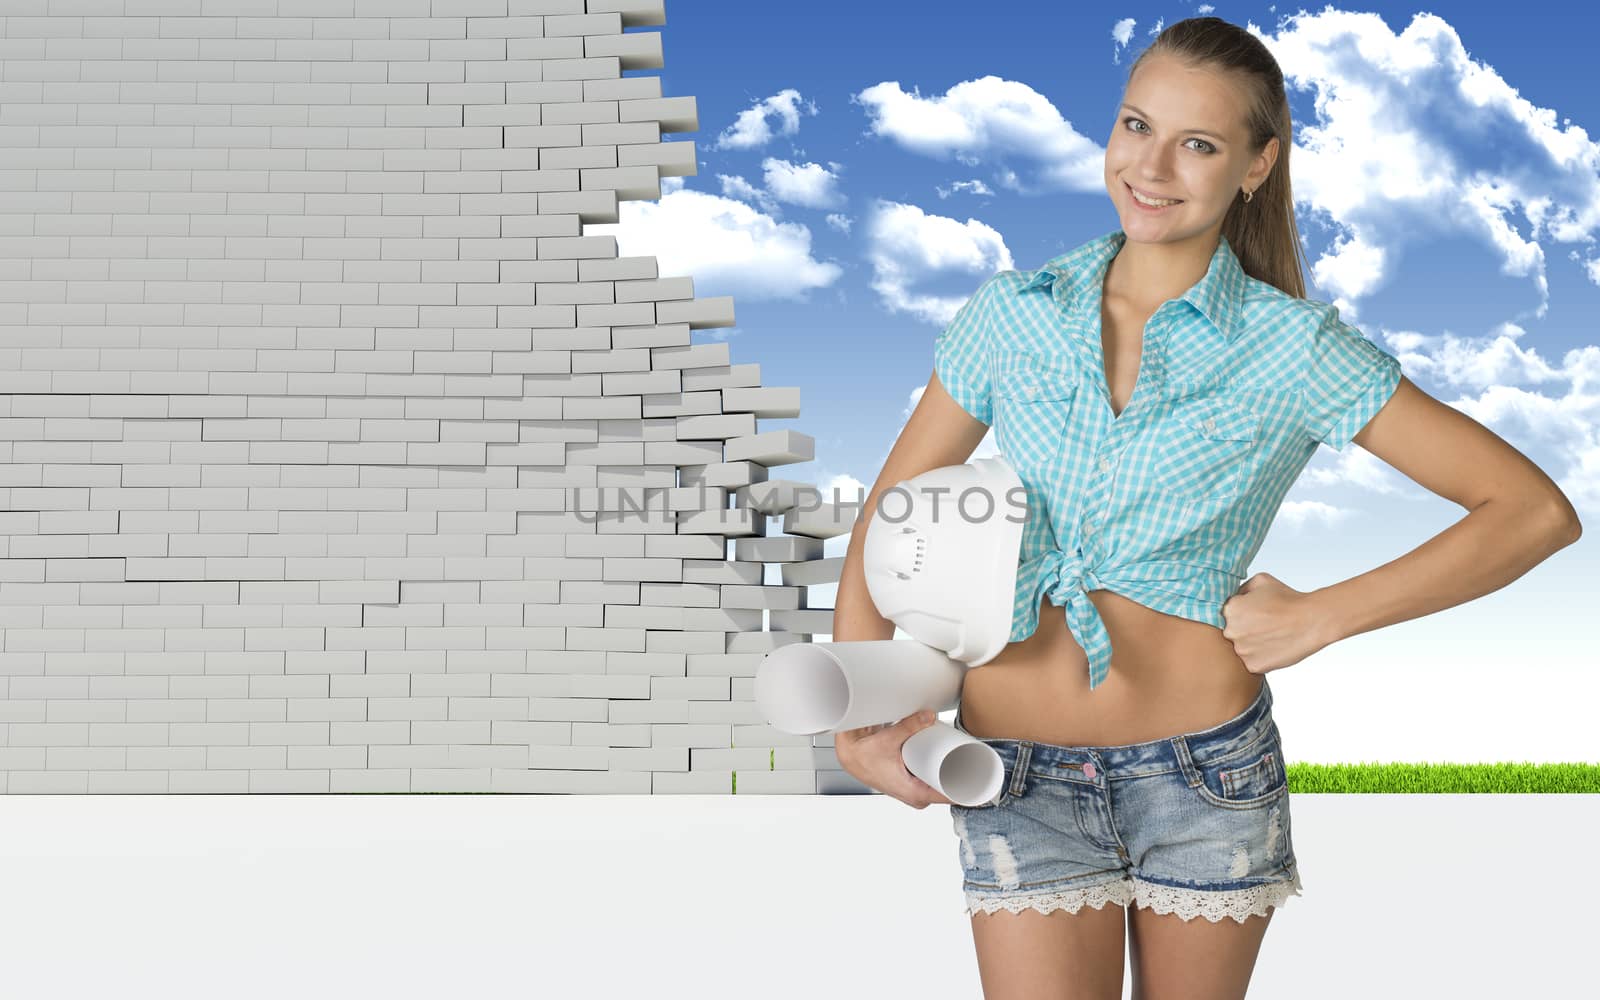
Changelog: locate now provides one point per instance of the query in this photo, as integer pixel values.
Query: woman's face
(1185, 141)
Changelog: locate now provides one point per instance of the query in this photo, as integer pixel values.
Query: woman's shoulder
(1268, 309)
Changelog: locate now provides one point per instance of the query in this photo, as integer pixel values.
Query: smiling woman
(1158, 390)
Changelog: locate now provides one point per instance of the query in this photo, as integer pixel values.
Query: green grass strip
(1522, 778)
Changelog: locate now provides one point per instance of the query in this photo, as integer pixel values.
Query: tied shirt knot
(1068, 580)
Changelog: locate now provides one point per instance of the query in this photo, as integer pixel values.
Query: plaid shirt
(1168, 502)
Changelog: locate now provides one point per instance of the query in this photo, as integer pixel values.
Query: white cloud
(907, 247)
(1349, 269)
(1302, 513)
(753, 129)
(984, 120)
(1413, 138)
(974, 186)
(725, 245)
(734, 186)
(1475, 363)
(844, 489)
(1591, 269)
(1121, 34)
(811, 185)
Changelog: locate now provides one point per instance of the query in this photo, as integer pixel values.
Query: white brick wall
(320, 413)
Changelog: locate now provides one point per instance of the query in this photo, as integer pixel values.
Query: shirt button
(1211, 425)
(1105, 465)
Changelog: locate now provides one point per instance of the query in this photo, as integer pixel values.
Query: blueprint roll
(960, 767)
(817, 687)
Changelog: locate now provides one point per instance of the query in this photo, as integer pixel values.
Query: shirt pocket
(1032, 404)
(1204, 448)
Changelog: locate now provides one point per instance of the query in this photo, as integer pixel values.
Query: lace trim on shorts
(1071, 900)
(1238, 903)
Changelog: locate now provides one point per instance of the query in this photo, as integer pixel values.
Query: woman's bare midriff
(1168, 675)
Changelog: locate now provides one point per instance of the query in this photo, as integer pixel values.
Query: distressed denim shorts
(1196, 824)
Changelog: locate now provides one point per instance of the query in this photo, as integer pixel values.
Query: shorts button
(1088, 770)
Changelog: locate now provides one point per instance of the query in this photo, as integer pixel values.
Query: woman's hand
(872, 755)
(1271, 625)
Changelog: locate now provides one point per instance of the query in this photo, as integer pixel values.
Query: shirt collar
(1217, 295)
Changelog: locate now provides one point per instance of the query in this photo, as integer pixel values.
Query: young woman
(1159, 389)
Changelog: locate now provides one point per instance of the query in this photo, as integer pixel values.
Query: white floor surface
(738, 897)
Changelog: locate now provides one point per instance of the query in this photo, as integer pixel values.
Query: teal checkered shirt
(1167, 502)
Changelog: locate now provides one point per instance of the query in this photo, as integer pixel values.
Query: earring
(1248, 195)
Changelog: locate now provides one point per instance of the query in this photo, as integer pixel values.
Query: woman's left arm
(1516, 518)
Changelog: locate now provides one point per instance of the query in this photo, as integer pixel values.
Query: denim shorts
(1196, 824)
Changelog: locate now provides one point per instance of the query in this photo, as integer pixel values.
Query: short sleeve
(1348, 379)
(961, 355)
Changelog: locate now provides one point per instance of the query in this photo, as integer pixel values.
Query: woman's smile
(1137, 197)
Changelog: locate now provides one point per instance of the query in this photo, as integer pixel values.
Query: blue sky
(862, 168)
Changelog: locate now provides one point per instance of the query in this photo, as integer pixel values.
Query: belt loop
(1019, 774)
(1191, 775)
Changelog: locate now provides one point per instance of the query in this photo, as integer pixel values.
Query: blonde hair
(1261, 232)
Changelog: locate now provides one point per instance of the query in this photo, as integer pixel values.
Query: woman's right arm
(939, 433)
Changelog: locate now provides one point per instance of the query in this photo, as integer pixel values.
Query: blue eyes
(1209, 147)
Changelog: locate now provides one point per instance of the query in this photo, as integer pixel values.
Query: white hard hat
(946, 572)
